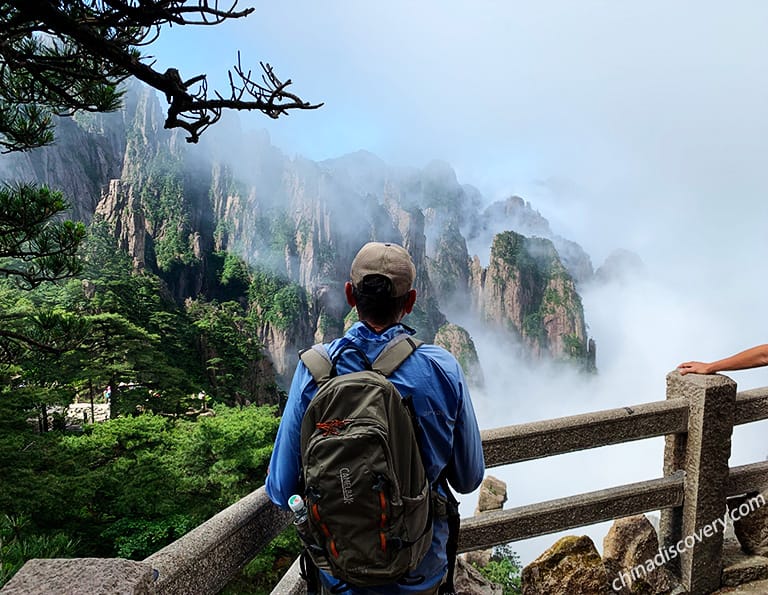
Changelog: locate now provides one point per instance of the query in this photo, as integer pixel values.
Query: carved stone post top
(684, 386)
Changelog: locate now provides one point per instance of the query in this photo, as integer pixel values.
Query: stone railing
(202, 561)
(697, 419)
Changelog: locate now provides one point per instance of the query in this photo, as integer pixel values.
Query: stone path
(75, 412)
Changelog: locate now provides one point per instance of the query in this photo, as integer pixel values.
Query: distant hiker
(754, 357)
(107, 393)
(377, 351)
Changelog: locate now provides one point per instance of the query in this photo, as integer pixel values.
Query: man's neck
(378, 328)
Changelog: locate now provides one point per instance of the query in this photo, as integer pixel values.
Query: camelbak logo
(346, 485)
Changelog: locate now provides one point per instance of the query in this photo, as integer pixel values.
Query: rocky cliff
(175, 208)
(88, 153)
(527, 291)
(458, 341)
(518, 215)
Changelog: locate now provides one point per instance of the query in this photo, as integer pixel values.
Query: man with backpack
(371, 458)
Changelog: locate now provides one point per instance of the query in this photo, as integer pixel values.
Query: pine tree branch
(108, 31)
(21, 338)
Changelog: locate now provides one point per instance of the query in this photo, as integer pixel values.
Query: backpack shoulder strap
(318, 363)
(395, 353)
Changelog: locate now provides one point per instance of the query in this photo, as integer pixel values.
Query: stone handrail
(202, 561)
(205, 559)
(697, 420)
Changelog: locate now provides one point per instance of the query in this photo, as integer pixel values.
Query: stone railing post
(692, 534)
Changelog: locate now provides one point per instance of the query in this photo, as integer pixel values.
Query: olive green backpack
(368, 496)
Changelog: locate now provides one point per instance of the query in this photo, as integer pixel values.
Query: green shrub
(504, 569)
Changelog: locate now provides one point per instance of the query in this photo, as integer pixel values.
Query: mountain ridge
(173, 207)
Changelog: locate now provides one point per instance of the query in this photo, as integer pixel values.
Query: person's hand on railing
(694, 368)
(754, 357)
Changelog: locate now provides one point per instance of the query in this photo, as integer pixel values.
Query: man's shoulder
(426, 353)
(438, 356)
(436, 351)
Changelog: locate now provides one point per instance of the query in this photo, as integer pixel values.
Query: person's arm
(285, 463)
(753, 357)
(468, 463)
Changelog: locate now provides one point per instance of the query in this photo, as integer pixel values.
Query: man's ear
(350, 296)
(410, 301)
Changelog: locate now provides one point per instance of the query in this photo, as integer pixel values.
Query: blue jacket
(451, 438)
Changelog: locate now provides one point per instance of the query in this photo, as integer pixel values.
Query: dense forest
(183, 439)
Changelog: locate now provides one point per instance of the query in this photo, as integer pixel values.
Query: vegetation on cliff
(276, 301)
(528, 287)
(457, 340)
(504, 569)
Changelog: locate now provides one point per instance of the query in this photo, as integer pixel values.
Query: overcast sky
(622, 123)
(628, 125)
